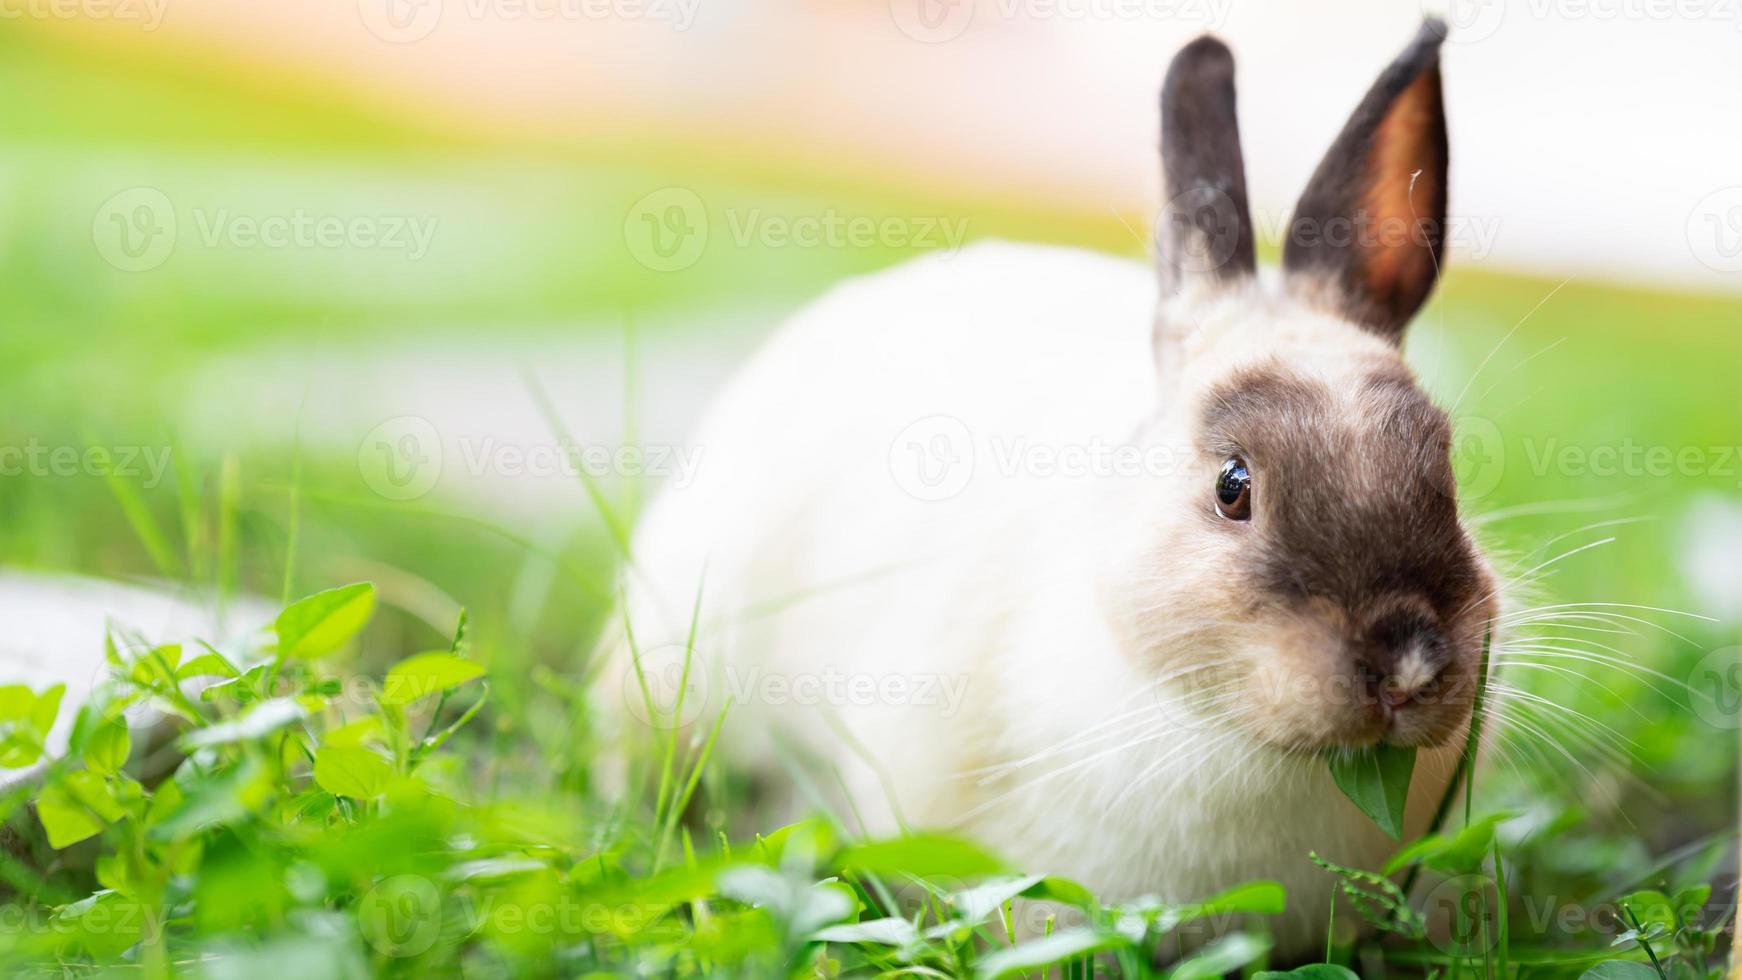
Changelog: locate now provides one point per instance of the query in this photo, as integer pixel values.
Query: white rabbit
(1093, 569)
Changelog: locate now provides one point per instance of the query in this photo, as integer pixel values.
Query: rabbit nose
(1413, 671)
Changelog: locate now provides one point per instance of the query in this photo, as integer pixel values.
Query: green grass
(436, 858)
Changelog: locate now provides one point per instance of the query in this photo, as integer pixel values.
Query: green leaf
(325, 621)
(257, 722)
(1689, 901)
(355, 733)
(156, 667)
(46, 708)
(16, 701)
(355, 772)
(1036, 953)
(25, 719)
(975, 904)
(1255, 897)
(1651, 908)
(1226, 956)
(78, 806)
(1063, 890)
(105, 924)
(207, 665)
(884, 932)
(423, 674)
(211, 800)
(1315, 971)
(1456, 854)
(803, 906)
(108, 747)
(242, 689)
(921, 855)
(65, 820)
(1619, 970)
(1376, 779)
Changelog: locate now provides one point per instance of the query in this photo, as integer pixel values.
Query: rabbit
(1091, 562)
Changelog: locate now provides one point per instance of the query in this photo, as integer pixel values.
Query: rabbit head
(1313, 583)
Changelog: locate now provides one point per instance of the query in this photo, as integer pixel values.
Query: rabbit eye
(1234, 490)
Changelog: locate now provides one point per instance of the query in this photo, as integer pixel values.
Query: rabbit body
(1092, 562)
(924, 648)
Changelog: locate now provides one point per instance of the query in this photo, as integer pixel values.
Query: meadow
(398, 775)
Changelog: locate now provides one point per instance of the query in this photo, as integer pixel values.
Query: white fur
(1021, 589)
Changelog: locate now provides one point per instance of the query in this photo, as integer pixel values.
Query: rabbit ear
(1372, 219)
(1204, 231)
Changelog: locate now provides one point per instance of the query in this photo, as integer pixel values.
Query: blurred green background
(264, 370)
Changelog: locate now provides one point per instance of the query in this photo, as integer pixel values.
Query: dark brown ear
(1372, 220)
(1204, 231)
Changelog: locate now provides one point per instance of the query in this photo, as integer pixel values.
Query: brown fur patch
(1354, 526)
